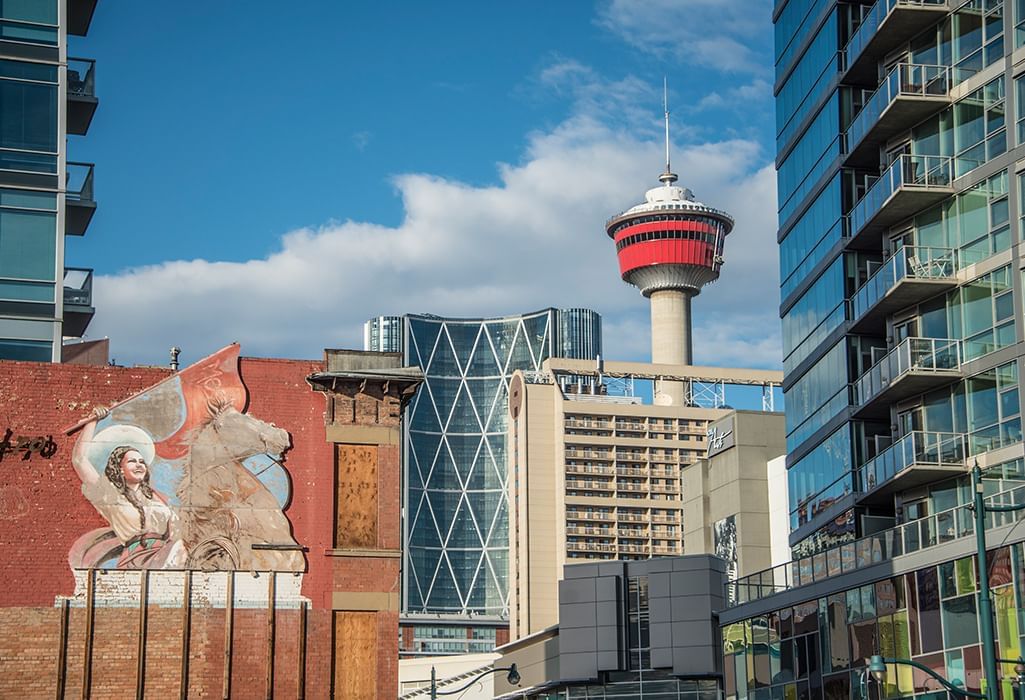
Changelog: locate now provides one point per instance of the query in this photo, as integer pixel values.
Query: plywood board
(357, 496)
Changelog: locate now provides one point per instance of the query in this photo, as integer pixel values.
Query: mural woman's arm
(80, 455)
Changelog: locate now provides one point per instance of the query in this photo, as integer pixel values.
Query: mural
(724, 535)
(185, 478)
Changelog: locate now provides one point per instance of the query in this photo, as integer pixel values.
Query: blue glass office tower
(900, 152)
(44, 96)
(455, 484)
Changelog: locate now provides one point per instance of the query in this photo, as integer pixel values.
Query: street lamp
(513, 679)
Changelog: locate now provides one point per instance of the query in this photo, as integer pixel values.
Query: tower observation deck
(670, 247)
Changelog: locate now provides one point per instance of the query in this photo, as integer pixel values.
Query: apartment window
(973, 130)
(982, 314)
(28, 117)
(975, 222)
(1019, 23)
(29, 21)
(968, 40)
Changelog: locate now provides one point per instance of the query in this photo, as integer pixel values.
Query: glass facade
(33, 180)
(879, 451)
(455, 486)
(819, 649)
(939, 187)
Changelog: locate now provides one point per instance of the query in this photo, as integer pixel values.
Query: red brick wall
(42, 512)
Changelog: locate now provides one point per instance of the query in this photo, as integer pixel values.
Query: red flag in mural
(211, 381)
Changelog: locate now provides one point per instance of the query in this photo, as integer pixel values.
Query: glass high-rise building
(456, 537)
(45, 95)
(901, 203)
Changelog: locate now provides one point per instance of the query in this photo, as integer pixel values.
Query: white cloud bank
(536, 239)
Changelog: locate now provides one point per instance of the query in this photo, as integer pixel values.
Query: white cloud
(725, 35)
(534, 240)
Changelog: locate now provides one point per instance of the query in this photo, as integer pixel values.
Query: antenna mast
(668, 177)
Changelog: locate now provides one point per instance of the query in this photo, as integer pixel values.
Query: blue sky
(277, 176)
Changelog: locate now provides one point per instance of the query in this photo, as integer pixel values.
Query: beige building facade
(726, 500)
(594, 476)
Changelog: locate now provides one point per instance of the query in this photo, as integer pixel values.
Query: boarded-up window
(355, 655)
(356, 521)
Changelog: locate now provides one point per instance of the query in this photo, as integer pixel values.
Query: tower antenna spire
(668, 177)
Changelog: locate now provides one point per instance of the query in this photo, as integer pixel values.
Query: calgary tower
(670, 247)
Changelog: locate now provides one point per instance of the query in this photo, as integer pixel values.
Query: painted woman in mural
(139, 516)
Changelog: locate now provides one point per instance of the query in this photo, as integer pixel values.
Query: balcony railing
(79, 184)
(908, 94)
(868, 33)
(930, 174)
(78, 286)
(929, 359)
(940, 528)
(894, 282)
(915, 458)
(81, 77)
(82, 100)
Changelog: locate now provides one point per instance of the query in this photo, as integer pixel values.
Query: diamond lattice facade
(455, 488)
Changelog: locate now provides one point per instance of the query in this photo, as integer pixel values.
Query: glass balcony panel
(910, 275)
(82, 101)
(888, 24)
(913, 367)
(908, 185)
(909, 93)
(916, 458)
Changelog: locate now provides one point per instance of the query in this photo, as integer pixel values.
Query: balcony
(78, 301)
(915, 366)
(908, 94)
(886, 26)
(82, 100)
(908, 185)
(911, 275)
(80, 15)
(79, 198)
(917, 458)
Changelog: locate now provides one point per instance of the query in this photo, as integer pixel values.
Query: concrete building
(726, 509)
(597, 476)
(900, 154)
(455, 596)
(45, 96)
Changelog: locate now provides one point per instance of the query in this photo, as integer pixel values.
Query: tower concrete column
(670, 339)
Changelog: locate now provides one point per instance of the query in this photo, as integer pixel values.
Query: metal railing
(871, 21)
(78, 286)
(905, 171)
(919, 262)
(81, 77)
(904, 80)
(945, 526)
(78, 183)
(917, 448)
(910, 355)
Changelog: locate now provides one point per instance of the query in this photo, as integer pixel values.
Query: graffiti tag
(42, 445)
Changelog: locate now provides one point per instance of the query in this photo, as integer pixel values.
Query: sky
(276, 177)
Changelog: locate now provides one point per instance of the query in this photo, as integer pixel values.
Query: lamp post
(989, 652)
(513, 679)
(877, 668)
